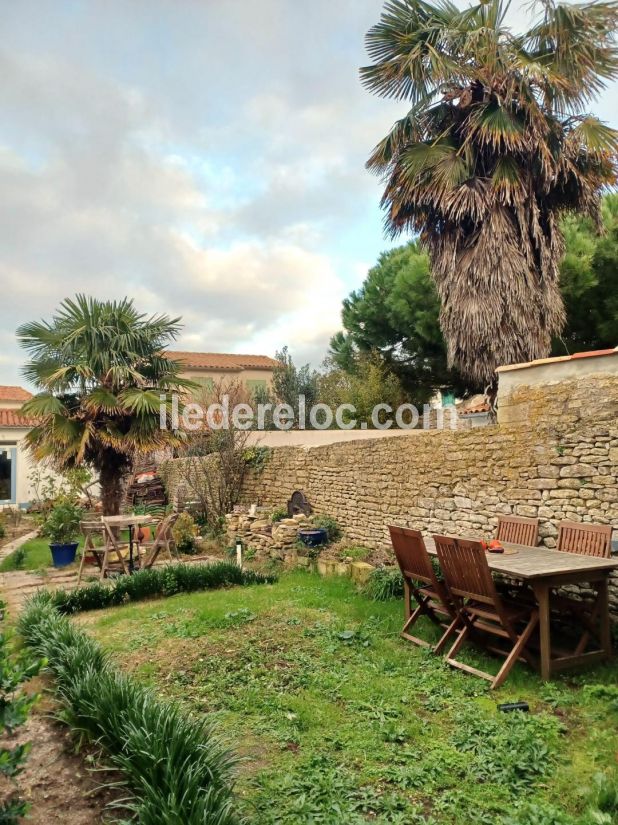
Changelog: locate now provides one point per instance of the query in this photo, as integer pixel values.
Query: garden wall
(561, 462)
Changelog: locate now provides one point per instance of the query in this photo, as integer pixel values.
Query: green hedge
(162, 581)
(176, 768)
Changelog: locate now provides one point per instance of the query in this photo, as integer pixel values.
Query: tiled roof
(576, 356)
(223, 361)
(14, 394)
(12, 418)
(475, 404)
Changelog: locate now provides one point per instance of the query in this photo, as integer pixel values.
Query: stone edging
(359, 571)
(16, 543)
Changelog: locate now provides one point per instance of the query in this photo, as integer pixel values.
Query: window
(256, 386)
(8, 460)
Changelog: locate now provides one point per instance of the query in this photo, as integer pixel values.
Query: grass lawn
(337, 720)
(33, 555)
(36, 555)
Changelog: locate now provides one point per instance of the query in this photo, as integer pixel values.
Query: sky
(204, 157)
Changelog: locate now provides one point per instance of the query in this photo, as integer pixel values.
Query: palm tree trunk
(111, 475)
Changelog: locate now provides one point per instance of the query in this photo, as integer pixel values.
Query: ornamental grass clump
(175, 766)
(149, 584)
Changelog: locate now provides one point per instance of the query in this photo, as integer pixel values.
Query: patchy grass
(339, 721)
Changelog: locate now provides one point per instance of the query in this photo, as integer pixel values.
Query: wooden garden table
(545, 569)
(124, 522)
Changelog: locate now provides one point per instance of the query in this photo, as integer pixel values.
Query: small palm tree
(494, 148)
(101, 371)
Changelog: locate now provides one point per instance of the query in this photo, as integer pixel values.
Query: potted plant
(62, 526)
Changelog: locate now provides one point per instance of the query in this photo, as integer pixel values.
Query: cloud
(206, 159)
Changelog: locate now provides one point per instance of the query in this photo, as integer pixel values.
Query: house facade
(205, 368)
(208, 369)
(15, 463)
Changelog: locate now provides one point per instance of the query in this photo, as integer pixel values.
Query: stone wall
(560, 463)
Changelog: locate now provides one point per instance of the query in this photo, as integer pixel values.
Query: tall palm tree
(101, 371)
(494, 148)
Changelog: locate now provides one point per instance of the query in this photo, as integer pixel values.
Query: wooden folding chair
(518, 530)
(102, 553)
(588, 540)
(91, 530)
(470, 584)
(163, 541)
(421, 583)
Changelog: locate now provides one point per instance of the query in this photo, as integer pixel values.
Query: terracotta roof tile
(475, 404)
(14, 394)
(223, 361)
(576, 356)
(12, 418)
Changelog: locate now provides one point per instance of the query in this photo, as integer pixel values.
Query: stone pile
(269, 540)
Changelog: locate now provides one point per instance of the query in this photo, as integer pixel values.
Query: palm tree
(101, 371)
(494, 148)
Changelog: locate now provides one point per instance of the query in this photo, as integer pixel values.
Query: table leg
(541, 592)
(606, 634)
(131, 566)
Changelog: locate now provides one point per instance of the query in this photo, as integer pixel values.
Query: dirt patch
(56, 780)
(344, 550)
(15, 529)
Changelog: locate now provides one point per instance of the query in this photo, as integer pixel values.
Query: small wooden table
(545, 569)
(124, 522)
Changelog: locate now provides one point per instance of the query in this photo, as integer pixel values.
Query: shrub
(18, 557)
(332, 527)
(185, 533)
(279, 514)
(355, 553)
(15, 706)
(175, 765)
(62, 524)
(383, 584)
(148, 584)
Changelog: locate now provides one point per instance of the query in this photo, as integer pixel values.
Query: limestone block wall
(560, 462)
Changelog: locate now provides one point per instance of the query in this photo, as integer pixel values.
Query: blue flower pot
(313, 538)
(63, 554)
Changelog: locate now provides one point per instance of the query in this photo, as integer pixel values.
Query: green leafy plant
(62, 524)
(148, 584)
(257, 457)
(383, 584)
(185, 533)
(332, 527)
(15, 706)
(310, 552)
(19, 558)
(355, 553)
(175, 766)
(279, 514)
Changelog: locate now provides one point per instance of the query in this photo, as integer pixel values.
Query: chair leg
(411, 621)
(450, 656)
(517, 650)
(447, 633)
(104, 564)
(81, 566)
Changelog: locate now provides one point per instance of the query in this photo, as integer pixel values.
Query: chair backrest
(164, 528)
(411, 554)
(91, 528)
(465, 569)
(91, 525)
(518, 530)
(586, 539)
